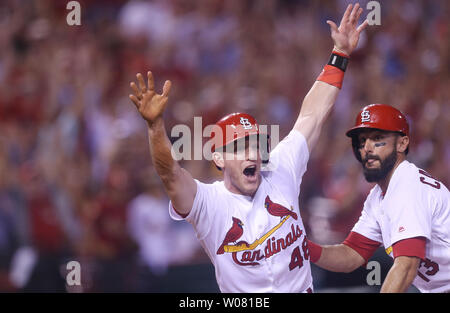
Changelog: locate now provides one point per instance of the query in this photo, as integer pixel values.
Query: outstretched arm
(352, 253)
(320, 99)
(335, 258)
(178, 183)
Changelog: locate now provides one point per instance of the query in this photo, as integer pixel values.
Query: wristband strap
(338, 60)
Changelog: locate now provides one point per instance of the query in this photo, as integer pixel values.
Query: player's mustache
(370, 157)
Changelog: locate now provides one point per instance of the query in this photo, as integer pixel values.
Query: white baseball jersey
(257, 244)
(415, 205)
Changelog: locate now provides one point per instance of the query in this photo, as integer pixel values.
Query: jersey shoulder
(413, 184)
(422, 179)
(216, 185)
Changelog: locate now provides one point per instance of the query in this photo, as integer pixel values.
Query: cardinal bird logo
(276, 209)
(232, 235)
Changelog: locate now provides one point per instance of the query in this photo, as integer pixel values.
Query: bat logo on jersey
(250, 255)
(365, 116)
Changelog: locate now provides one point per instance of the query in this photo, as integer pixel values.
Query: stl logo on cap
(245, 123)
(365, 116)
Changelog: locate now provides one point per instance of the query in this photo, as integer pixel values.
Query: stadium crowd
(76, 180)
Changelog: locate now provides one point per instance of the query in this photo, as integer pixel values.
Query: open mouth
(370, 161)
(250, 171)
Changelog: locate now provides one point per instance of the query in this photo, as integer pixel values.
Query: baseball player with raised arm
(249, 224)
(407, 211)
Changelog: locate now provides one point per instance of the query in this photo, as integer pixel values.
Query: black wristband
(338, 61)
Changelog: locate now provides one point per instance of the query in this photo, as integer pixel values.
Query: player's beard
(386, 166)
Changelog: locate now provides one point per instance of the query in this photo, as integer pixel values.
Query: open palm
(346, 36)
(149, 104)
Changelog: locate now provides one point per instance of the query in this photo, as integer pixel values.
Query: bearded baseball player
(249, 224)
(407, 211)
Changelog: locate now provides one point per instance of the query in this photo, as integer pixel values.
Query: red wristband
(315, 251)
(333, 72)
(332, 76)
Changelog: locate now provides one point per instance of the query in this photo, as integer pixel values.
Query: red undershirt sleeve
(361, 244)
(410, 247)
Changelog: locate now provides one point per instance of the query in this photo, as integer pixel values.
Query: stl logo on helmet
(246, 123)
(365, 116)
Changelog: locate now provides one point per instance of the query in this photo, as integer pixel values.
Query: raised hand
(346, 36)
(149, 104)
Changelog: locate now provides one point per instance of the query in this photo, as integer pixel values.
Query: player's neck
(233, 188)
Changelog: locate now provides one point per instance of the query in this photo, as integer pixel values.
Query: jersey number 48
(296, 256)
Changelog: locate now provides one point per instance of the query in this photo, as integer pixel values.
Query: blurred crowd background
(76, 179)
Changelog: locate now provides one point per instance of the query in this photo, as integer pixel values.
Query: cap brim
(247, 135)
(355, 130)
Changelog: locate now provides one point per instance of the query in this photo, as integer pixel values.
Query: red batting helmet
(234, 126)
(378, 116)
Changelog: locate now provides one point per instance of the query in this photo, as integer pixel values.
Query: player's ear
(218, 160)
(402, 143)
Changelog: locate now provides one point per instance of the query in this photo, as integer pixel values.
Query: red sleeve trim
(315, 251)
(410, 247)
(180, 214)
(361, 244)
